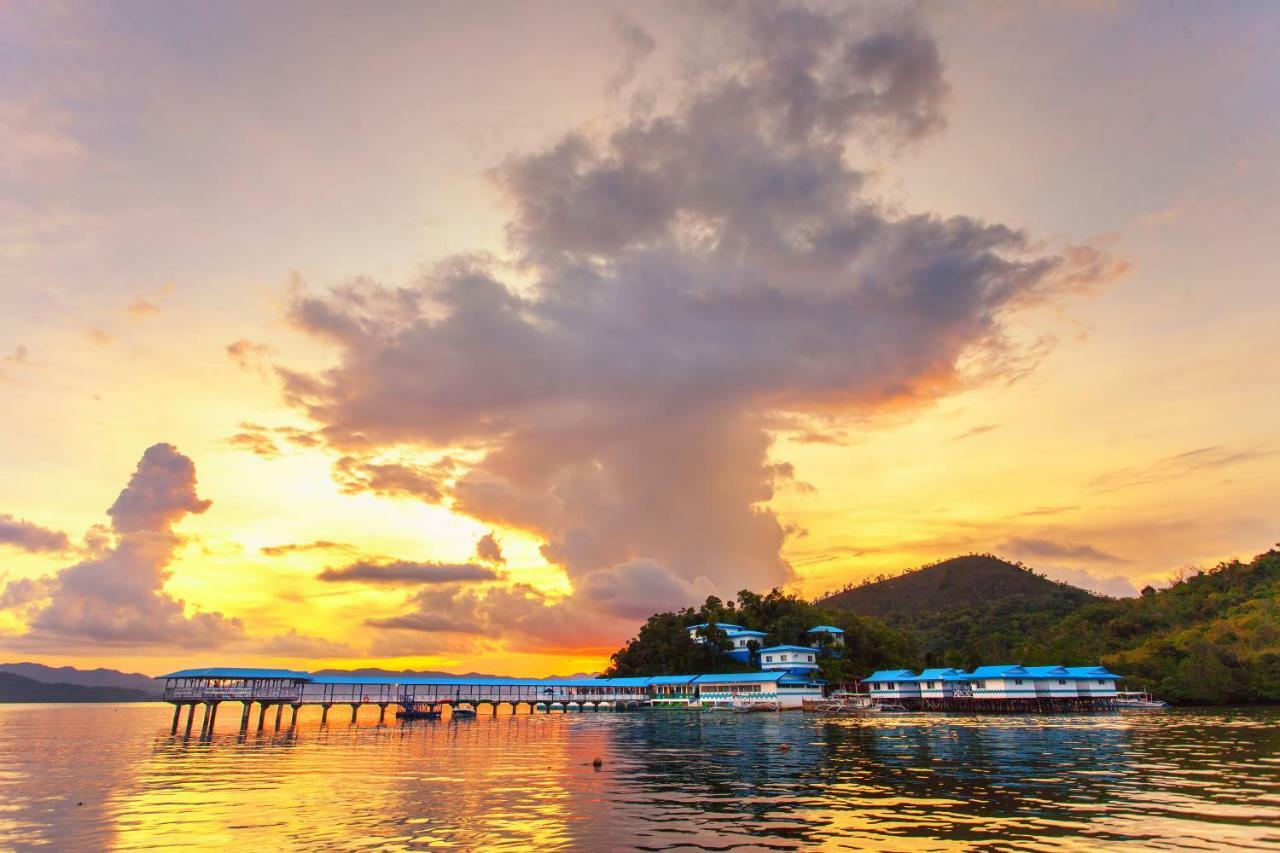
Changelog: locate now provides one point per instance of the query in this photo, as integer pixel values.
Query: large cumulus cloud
(691, 282)
(117, 597)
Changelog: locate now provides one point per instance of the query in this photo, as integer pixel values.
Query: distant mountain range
(68, 675)
(17, 688)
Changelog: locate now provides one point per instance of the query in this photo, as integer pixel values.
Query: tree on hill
(663, 645)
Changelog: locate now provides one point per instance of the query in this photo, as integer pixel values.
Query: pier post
(293, 718)
(279, 711)
(191, 715)
(204, 719)
(355, 709)
(382, 712)
(177, 712)
(244, 715)
(324, 713)
(213, 718)
(262, 714)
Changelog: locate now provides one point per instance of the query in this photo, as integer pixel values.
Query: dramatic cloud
(697, 281)
(1031, 547)
(117, 597)
(978, 430)
(31, 537)
(489, 550)
(405, 572)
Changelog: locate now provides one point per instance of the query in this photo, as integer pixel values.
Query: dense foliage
(1210, 637)
(663, 646)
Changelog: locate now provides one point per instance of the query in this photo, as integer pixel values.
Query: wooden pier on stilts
(412, 698)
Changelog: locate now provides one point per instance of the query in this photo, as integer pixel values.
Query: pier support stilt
(324, 714)
(355, 709)
(213, 719)
(244, 716)
(279, 711)
(177, 712)
(204, 719)
(191, 716)
(382, 713)
(293, 718)
(262, 714)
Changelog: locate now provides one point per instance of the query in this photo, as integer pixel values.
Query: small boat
(890, 709)
(756, 707)
(411, 713)
(1137, 700)
(463, 712)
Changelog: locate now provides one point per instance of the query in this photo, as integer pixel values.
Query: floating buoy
(782, 747)
(597, 764)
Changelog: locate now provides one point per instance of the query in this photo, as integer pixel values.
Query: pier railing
(233, 694)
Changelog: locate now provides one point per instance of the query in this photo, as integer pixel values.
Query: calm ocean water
(94, 776)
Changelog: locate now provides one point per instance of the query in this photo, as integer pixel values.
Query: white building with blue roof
(740, 689)
(892, 685)
(797, 659)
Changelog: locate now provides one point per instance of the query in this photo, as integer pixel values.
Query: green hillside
(1212, 637)
(968, 581)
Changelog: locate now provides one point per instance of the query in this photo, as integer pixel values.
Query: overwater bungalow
(996, 688)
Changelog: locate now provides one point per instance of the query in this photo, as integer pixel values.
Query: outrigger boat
(841, 702)
(756, 707)
(1139, 700)
(463, 712)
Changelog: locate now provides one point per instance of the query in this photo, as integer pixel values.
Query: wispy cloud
(405, 572)
(1193, 462)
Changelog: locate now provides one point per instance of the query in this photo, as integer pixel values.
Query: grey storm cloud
(407, 572)
(31, 537)
(695, 277)
(117, 597)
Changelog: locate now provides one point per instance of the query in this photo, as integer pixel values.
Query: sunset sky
(466, 335)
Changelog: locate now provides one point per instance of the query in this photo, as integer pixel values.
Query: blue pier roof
(672, 679)
(238, 672)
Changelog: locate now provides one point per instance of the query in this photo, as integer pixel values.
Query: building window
(1017, 681)
(1060, 681)
(769, 658)
(1100, 681)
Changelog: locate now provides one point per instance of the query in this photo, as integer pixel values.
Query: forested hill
(968, 581)
(1211, 637)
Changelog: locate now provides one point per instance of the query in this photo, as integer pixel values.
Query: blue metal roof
(809, 649)
(999, 670)
(1092, 672)
(825, 629)
(937, 674)
(238, 672)
(672, 679)
(890, 675)
(724, 626)
(1047, 671)
(746, 632)
(740, 677)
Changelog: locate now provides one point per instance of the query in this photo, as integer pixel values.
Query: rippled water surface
(92, 776)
